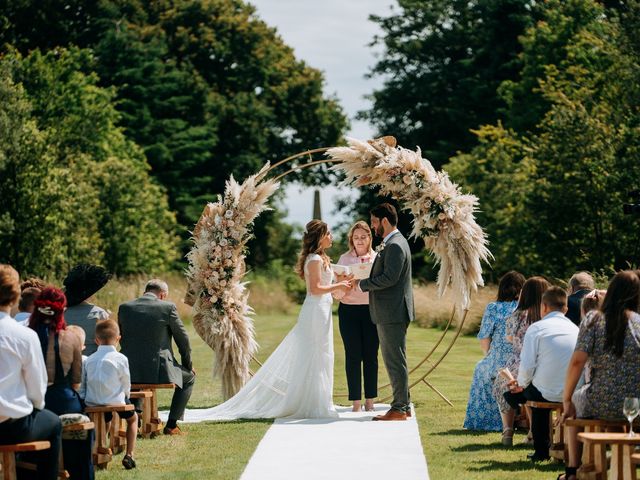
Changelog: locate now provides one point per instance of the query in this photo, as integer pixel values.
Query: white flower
(223, 242)
(229, 214)
(380, 247)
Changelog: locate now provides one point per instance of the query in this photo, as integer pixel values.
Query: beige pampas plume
(443, 216)
(216, 268)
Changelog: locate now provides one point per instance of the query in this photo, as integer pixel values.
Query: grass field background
(221, 450)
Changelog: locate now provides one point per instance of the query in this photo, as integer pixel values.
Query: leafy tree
(101, 204)
(205, 88)
(442, 66)
(569, 174)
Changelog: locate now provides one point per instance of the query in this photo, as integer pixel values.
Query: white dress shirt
(105, 377)
(547, 348)
(23, 376)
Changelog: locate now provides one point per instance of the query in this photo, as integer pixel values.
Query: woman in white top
(296, 381)
(359, 334)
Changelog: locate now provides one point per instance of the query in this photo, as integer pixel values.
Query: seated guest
(23, 382)
(580, 284)
(61, 350)
(25, 305)
(546, 350)
(610, 342)
(81, 283)
(482, 409)
(106, 381)
(147, 325)
(527, 312)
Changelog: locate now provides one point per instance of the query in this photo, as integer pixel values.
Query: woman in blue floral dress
(482, 410)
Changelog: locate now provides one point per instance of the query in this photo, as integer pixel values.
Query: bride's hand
(343, 286)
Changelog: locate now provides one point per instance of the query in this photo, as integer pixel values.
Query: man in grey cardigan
(147, 325)
(391, 304)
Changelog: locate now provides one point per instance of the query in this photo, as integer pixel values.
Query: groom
(391, 304)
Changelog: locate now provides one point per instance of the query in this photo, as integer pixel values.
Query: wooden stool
(103, 452)
(148, 429)
(622, 447)
(587, 470)
(155, 424)
(9, 455)
(557, 449)
(74, 427)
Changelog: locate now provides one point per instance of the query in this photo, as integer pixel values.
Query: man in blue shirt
(546, 351)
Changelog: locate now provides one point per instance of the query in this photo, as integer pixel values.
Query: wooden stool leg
(600, 461)
(147, 427)
(9, 465)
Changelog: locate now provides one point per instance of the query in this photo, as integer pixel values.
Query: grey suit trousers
(393, 345)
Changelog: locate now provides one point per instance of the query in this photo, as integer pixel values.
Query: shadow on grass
(239, 420)
(494, 465)
(476, 447)
(467, 433)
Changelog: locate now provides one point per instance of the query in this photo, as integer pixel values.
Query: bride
(296, 381)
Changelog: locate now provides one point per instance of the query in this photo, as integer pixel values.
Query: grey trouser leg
(181, 395)
(393, 345)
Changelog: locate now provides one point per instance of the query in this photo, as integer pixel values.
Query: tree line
(535, 108)
(119, 120)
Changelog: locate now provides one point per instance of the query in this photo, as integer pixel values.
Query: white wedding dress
(296, 381)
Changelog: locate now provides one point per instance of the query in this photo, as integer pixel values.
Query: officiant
(359, 334)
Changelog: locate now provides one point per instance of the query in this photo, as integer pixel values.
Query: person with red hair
(61, 349)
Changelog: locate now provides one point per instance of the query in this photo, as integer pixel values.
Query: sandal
(128, 462)
(568, 473)
(507, 437)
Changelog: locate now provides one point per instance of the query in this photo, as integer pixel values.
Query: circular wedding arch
(442, 216)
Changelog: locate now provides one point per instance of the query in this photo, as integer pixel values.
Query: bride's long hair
(314, 232)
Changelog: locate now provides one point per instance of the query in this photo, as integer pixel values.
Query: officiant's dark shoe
(173, 431)
(391, 415)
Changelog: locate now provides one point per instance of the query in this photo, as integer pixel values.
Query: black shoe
(128, 462)
(534, 457)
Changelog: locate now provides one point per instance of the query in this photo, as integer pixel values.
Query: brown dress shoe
(173, 431)
(391, 415)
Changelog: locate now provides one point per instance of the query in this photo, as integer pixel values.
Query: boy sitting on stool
(106, 381)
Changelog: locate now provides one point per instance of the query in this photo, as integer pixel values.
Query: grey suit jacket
(389, 284)
(147, 325)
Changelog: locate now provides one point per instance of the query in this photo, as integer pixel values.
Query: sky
(332, 36)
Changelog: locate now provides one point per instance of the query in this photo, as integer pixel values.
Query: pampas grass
(442, 215)
(222, 315)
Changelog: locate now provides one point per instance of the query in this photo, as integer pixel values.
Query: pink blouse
(354, 297)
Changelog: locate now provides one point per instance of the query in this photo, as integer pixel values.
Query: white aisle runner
(350, 447)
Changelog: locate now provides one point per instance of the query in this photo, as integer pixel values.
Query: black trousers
(38, 425)
(360, 339)
(539, 417)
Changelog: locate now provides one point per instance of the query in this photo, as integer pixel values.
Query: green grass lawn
(221, 450)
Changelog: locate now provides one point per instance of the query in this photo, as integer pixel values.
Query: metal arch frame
(421, 377)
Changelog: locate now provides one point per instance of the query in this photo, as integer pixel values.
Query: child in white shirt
(106, 381)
